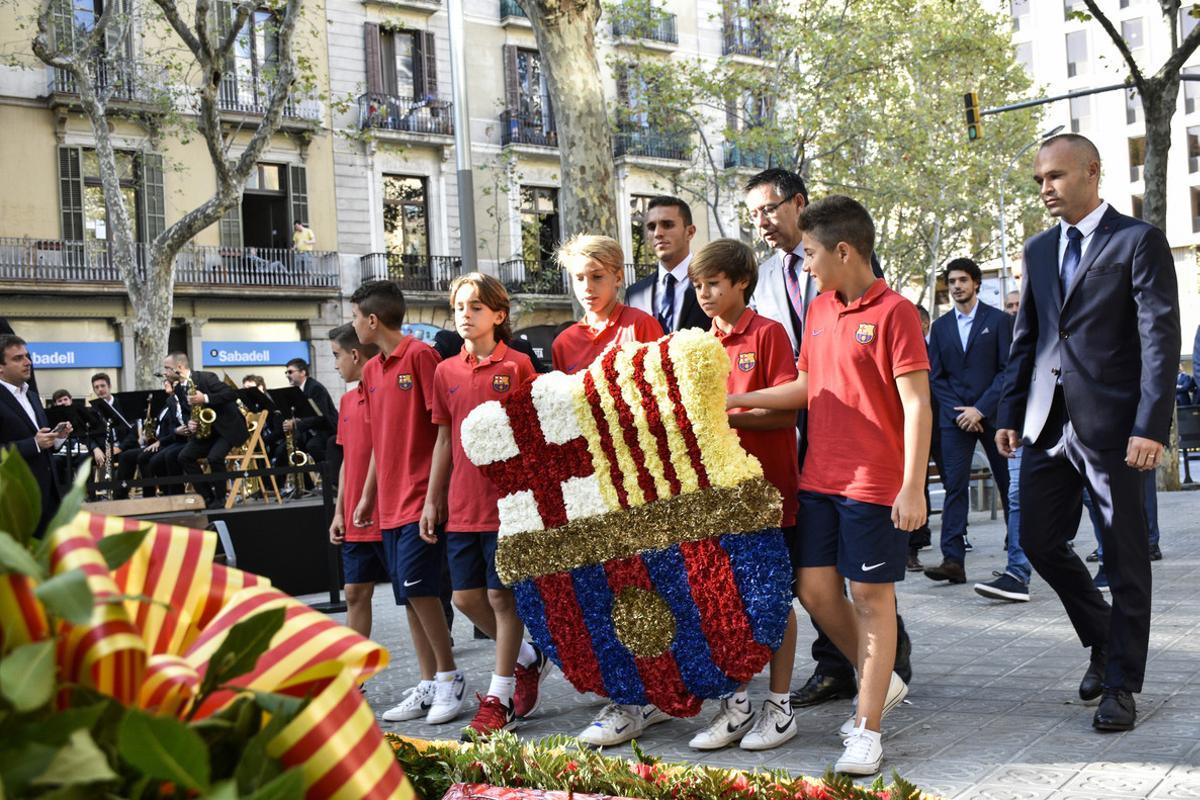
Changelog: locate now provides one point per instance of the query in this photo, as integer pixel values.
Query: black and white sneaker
(1006, 587)
(415, 704)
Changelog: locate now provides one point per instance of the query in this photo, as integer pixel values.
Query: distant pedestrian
(1012, 301)
(1185, 387)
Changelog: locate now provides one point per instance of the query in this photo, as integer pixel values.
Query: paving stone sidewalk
(993, 711)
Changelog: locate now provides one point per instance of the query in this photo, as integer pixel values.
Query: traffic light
(974, 118)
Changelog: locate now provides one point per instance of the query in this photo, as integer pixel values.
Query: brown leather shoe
(914, 563)
(947, 571)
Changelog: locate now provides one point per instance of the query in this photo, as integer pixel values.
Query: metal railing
(533, 277)
(660, 28)
(518, 127)
(741, 41)
(53, 261)
(635, 272)
(415, 273)
(739, 156)
(245, 99)
(510, 8)
(648, 144)
(123, 81)
(412, 114)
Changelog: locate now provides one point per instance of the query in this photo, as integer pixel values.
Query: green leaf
(15, 558)
(164, 748)
(288, 785)
(78, 761)
(255, 768)
(67, 509)
(244, 643)
(20, 496)
(27, 676)
(57, 728)
(117, 548)
(67, 595)
(280, 705)
(20, 764)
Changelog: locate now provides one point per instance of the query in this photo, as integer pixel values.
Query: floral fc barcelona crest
(404, 380)
(746, 361)
(865, 333)
(500, 383)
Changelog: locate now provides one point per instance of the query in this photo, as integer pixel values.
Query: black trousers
(214, 448)
(161, 463)
(126, 469)
(1054, 472)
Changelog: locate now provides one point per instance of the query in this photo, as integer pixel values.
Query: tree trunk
(566, 35)
(152, 317)
(1158, 102)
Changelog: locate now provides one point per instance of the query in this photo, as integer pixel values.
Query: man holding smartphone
(23, 422)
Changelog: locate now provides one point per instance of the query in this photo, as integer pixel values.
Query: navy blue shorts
(414, 564)
(791, 538)
(856, 537)
(365, 562)
(472, 558)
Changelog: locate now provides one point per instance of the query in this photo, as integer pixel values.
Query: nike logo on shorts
(412, 583)
(865, 568)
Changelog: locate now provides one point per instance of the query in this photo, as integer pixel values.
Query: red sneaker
(492, 716)
(529, 682)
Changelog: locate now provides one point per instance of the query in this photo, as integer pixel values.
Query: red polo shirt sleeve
(905, 341)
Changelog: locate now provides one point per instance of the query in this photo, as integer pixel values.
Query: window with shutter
(231, 226)
(371, 49)
(153, 199)
(70, 193)
(298, 193)
(429, 64)
(512, 91)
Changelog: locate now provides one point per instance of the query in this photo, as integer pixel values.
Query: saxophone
(149, 425)
(202, 415)
(296, 458)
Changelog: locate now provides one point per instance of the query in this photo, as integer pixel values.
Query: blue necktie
(666, 310)
(1071, 258)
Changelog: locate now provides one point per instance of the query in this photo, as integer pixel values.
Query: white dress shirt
(1087, 226)
(681, 283)
(964, 323)
(22, 394)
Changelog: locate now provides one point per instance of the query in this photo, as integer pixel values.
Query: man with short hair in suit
(968, 351)
(123, 427)
(668, 295)
(160, 458)
(23, 423)
(1089, 390)
(312, 433)
(774, 198)
(228, 431)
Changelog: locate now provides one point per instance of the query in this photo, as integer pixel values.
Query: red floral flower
(681, 417)
(606, 442)
(654, 419)
(628, 431)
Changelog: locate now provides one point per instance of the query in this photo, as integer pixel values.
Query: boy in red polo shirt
(398, 384)
(724, 274)
(596, 267)
(461, 497)
(864, 376)
(364, 563)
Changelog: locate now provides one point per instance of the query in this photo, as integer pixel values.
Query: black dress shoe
(947, 571)
(1093, 557)
(822, 689)
(1155, 553)
(1093, 680)
(1117, 711)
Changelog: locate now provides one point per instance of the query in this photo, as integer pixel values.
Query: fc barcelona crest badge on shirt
(865, 333)
(404, 380)
(500, 383)
(746, 361)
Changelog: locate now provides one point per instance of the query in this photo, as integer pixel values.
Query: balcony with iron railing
(511, 9)
(528, 127)
(421, 115)
(748, 157)
(125, 82)
(645, 143)
(521, 276)
(414, 273)
(743, 40)
(246, 100)
(48, 262)
(659, 27)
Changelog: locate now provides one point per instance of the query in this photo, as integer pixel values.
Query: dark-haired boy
(863, 375)
(398, 384)
(760, 355)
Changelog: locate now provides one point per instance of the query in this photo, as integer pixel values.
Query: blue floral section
(762, 569)
(532, 611)
(690, 648)
(617, 668)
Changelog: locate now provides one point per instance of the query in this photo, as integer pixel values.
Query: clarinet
(108, 456)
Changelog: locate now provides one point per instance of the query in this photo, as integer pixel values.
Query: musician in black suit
(228, 431)
(667, 295)
(160, 458)
(122, 430)
(312, 434)
(23, 423)
(1089, 390)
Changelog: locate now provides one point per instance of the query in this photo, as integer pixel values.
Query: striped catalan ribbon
(155, 654)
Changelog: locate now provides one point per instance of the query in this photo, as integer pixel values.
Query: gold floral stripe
(645, 437)
(750, 506)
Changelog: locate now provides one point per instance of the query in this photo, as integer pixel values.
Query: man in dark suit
(968, 351)
(1089, 391)
(228, 431)
(123, 428)
(312, 434)
(5, 327)
(668, 295)
(160, 458)
(23, 423)
(774, 199)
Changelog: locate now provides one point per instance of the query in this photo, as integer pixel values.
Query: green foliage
(117, 548)
(560, 763)
(27, 676)
(245, 642)
(21, 502)
(67, 595)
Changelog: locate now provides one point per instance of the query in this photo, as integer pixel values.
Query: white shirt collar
(971, 316)
(680, 271)
(1087, 226)
(18, 391)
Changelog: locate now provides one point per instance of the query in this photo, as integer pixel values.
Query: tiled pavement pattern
(993, 712)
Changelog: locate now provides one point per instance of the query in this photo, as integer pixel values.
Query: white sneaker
(897, 691)
(731, 722)
(863, 754)
(416, 703)
(775, 725)
(616, 724)
(448, 699)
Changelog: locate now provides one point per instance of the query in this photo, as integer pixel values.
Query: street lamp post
(1004, 273)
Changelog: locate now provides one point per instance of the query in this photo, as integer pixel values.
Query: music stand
(291, 402)
(255, 399)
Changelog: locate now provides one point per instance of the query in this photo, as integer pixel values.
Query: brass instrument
(253, 485)
(202, 415)
(149, 425)
(296, 458)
